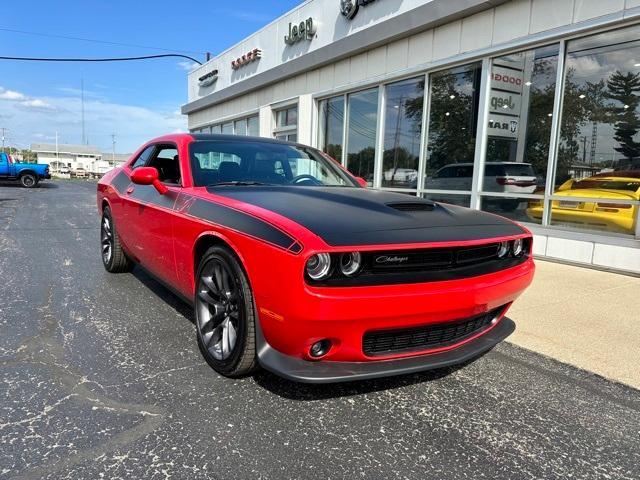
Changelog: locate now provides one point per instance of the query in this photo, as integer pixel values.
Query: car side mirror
(362, 182)
(148, 176)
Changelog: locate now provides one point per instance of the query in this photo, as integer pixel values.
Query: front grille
(428, 259)
(384, 342)
(392, 267)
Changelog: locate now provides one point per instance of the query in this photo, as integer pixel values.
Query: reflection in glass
(241, 127)
(253, 126)
(518, 210)
(227, 128)
(331, 126)
(453, 199)
(361, 133)
(600, 131)
(403, 124)
(523, 88)
(452, 128)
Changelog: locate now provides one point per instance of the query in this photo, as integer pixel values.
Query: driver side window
(167, 162)
(143, 158)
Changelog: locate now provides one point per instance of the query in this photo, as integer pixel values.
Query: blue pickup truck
(28, 174)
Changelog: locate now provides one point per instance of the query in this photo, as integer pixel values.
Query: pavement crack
(45, 351)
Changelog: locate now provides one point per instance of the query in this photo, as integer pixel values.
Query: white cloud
(34, 119)
(38, 104)
(187, 65)
(11, 95)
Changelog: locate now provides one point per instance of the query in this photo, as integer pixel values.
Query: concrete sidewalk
(584, 317)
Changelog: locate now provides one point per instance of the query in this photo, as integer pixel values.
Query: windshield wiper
(237, 183)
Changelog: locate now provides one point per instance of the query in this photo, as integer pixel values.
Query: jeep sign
(304, 31)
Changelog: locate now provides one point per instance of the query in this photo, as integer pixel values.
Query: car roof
(240, 138)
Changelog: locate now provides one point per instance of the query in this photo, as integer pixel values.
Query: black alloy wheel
(113, 257)
(225, 319)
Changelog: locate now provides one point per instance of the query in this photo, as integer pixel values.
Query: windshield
(627, 186)
(229, 162)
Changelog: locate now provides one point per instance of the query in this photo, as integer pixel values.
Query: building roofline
(437, 11)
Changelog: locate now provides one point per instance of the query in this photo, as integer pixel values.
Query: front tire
(113, 257)
(28, 180)
(225, 314)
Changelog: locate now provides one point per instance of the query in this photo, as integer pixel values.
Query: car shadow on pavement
(303, 391)
(45, 185)
(164, 294)
(310, 392)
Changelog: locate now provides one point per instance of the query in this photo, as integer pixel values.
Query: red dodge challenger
(292, 265)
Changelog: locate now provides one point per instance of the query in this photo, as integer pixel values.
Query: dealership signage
(302, 31)
(503, 126)
(208, 78)
(247, 58)
(507, 79)
(505, 103)
(349, 8)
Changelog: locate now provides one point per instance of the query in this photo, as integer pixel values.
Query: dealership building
(529, 109)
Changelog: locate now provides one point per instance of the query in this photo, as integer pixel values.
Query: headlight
(319, 266)
(518, 247)
(350, 263)
(503, 250)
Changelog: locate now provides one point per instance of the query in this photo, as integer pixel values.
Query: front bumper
(300, 370)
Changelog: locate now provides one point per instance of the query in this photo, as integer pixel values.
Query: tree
(624, 89)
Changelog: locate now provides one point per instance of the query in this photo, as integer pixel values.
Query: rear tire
(225, 314)
(28, 180)
(113, 257)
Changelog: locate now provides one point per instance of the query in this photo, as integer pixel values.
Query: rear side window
(522, 170)
(143, 158)
(494, 171)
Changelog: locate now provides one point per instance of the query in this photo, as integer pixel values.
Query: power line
(104, 42)
(107, 59)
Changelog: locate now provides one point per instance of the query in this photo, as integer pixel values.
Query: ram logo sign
(349, 8)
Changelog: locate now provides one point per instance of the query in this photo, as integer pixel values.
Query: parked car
(503, 177)
(28, 174)
(605, 212)
(79, 173)
(292, 265)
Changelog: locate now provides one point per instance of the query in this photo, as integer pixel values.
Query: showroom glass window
(523, 87)
(600, 134)
(361, 133)
(402, 128)
(453, 116)
(227, 128)
(253, 126)
(332, 126)
(286, 124)
(240, 127)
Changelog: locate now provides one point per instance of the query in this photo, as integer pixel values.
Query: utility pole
(3, 130)
(57, 154)
(113, 148)
(84, 138)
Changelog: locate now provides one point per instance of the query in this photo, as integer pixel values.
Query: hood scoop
(412, 206)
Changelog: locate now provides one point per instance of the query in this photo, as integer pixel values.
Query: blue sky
(134, 100)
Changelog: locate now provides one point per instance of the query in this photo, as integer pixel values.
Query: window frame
(156, 148)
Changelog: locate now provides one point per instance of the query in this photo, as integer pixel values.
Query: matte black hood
(344, 216)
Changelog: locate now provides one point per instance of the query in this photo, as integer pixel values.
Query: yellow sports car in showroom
(605, 212)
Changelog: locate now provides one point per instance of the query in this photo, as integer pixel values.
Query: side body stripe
(209, 211)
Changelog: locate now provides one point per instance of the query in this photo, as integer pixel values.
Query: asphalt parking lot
(101, 378)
